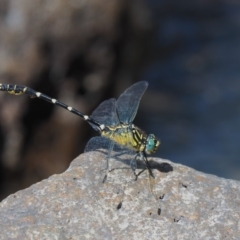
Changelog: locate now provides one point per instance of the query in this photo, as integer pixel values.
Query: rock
(180, 203)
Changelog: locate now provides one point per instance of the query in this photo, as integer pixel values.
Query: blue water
(196, 85)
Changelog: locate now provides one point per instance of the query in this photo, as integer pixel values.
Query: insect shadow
(119, 156)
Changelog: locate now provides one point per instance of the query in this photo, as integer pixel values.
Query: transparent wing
(105, 113)
(97, 143)
(128, 102)
(107, 145)
(111, 150)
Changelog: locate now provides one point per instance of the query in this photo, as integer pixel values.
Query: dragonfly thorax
(131, 137)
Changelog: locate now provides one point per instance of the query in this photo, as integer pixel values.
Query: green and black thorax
(131, 137)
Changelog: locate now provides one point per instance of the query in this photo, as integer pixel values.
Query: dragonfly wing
(98, 143)
(104, 146)
(105, 113)
(122, 156)
(128, 102)
(110, 149)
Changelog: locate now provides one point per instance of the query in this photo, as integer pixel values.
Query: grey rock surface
(180, 203)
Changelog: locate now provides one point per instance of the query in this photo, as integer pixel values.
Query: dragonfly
(113, 119)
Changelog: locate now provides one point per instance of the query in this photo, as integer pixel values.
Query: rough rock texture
(180, 203)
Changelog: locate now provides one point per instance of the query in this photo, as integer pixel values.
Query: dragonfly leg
(144, 157)
(133, 165)
(106, 170)
(107, 159)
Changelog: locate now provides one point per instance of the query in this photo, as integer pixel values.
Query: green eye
(152, 144)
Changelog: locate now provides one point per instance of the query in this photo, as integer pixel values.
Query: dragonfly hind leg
(106, 170)
(109, 154)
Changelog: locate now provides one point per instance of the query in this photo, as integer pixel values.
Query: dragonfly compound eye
(152, 144)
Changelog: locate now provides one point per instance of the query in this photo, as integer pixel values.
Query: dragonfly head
(152, 144)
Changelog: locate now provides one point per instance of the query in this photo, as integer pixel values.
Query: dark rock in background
(180, 203)
(76, 51)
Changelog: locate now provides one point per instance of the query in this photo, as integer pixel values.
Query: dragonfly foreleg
(144, 157)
